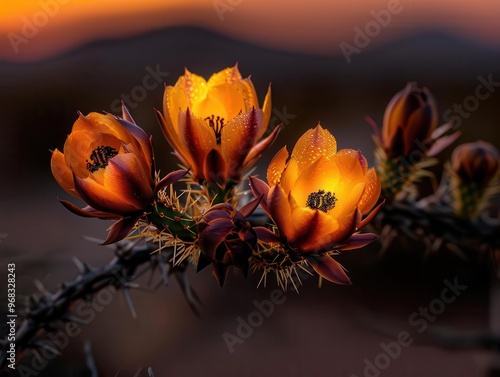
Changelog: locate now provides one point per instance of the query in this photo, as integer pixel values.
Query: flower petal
(420, 125)
(126, 114)
(357, 241)
(77, 150)
(219, 211)
(347, 225)
(212, 236)
(266, 235)
(124, 175)
(281, 212)
(290, 175)
(261, 147)
(88, 211)
(259, 188)
(238, 137)
(250, 207)
(376, 131)
(313, 144)
(396, 113)
(277, 166)
(126, 186)
(170, 179)
(371, 193)
(121, 229)
(330, 269)
(192, 85)
(311, 228)
(229, 75)
(266, 109)
(225, 101)
(140, 140)
(102, 198)
(102, 124)
(370, 217)
(62, 173)
(198, 137)
(170, 133)
(439, 144)
(214, 168)
(225, 94)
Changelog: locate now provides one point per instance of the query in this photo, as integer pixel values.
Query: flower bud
(408, 140)
(474, 168)
(226, 238)
(475, 162)
(409, 119)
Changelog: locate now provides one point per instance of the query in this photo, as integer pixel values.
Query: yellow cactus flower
(316, 197)
(216, 127)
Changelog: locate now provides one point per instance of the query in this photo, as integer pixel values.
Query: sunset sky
(317, 26)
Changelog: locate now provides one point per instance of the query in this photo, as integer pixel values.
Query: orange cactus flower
(108, 163)
(316, 196)
(216, 127)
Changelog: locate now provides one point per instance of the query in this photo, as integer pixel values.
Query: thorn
(36, 353)
(387, 236)
(32, 302)
(457, 250)
(95, 240)
(150, 372)
(47, 347)
(436, 245)
(158, 285)
(50, 327)
(39, 286)
(89, 360)
(191, 297)
(72, 318)
(126, 246)
(165, 270)
(132, 285)
(130, 304)
(152, 269)
(80, 266)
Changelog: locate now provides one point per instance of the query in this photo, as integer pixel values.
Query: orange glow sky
(317, 26)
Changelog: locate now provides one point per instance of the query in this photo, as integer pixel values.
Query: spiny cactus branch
(47, 310)
(439, 222)
(438, 228)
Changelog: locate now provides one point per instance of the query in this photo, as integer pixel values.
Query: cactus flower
(316, 196)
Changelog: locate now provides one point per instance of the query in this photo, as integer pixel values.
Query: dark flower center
(216, 124)
(100, 158)
(324, 201)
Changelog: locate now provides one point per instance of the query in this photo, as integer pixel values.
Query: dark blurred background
(87, 63)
